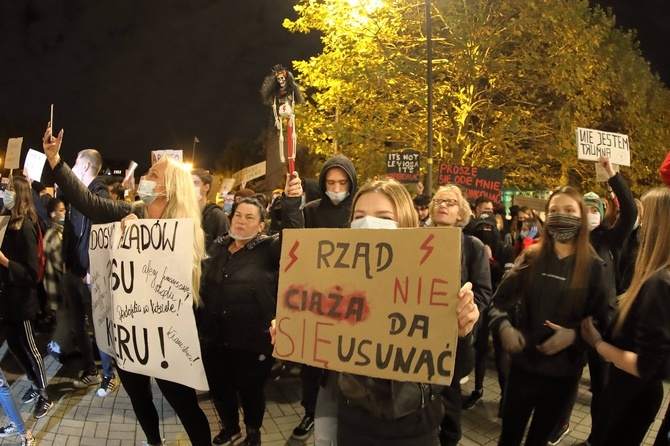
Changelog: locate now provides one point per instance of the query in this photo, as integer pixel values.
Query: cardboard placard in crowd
(13, 154)
(592, 144)
(156, 155)
(250, 173)
(142, 298)
(374, 302)
(477, 181)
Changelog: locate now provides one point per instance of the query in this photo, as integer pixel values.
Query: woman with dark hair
(538, 309)
(239, 290)
(638, 341)
(18, 282)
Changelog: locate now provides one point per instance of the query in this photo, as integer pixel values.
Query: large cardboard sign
(13, 154)
(156, 155)
(141, 282)
(592, 144)
(250, 173)
(403, 166)
(375, 302)
(477, 181)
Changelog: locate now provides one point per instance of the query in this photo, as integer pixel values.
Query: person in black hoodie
(501, 260)
(76, 279)
(215, 222)
(338, 185)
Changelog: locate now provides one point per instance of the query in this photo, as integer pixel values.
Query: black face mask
(487, 237)
(563, 227)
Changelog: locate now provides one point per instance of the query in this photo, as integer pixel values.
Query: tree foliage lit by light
(512, 81)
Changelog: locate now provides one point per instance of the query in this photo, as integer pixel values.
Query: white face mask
(146, 191)
(241, 237)
(369, 222)
(198, 197)
(594, 221)
(8, 199)
(337, 197)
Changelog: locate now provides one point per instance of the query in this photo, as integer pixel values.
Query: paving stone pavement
(82, 418)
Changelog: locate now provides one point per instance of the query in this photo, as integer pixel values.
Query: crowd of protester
(583, 282)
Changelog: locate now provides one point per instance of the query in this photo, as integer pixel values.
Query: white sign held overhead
(250, 173)
(13, 155)
(592, 144)
(34, 164)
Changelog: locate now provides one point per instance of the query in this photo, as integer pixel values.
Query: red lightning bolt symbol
(291, 254)
(426, 247)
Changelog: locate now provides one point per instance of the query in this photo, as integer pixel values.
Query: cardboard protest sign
(34, 164)
(13, 154)
(477, 181)
(601, 173)
(156, 155)
(536, 204)
(592, 144)
(403, 166)
(141, 282)
(374, 302)
(250, 173)
(227, 185)
(4, 221)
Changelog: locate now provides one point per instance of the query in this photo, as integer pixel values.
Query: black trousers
(528, 392)
(21, 342)
(236, 372)
(627, 409)
(481, 353)
(182, 399)
(310, 378)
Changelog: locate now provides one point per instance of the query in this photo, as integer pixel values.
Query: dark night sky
(127, 77)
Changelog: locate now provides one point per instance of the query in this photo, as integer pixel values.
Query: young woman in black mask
(537, 310)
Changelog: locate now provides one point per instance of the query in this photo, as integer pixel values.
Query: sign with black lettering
(403, 166)
(477, 181)
(592, 144)
(142, 298)
(375, 302)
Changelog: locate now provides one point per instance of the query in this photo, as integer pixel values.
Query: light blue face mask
(146, 191)
(369, 222)
(227, 207)
(8, 199)
(337, 197)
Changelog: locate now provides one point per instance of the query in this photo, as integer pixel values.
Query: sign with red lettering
(477, 181)
(403, 166)
(375, 302)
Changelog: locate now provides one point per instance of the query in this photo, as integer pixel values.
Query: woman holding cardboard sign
(166, 191)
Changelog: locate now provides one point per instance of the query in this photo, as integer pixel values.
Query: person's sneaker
(30, 395)
(559, 435)
(253, 437)
(228, 435)
(162, 443)
(9, 430)
(42, 407)
(28, 441)
(87, 379)
(107, 386)
(304, 428)
(464, 380)
(470, 402)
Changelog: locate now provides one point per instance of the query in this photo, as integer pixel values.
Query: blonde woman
(637, 343)
(166, 191)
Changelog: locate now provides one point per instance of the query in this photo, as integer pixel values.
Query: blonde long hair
(181, 203)
(654, 252)
(404, 206)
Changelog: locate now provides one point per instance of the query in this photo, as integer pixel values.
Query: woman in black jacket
(638, 341)
(538, 309)
(18, 290)
(166, 191)
(239, 289)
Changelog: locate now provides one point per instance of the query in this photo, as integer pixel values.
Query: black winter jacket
(239, 290)
(18, 282)
(77, 229)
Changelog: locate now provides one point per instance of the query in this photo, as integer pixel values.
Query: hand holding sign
(468, 313)
(293, 185)
(607, 165)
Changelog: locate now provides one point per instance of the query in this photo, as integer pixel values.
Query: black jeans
(182, 399)
(21, 342)
(481, 352)
(310, 377)
(528, 392)
(232, 372)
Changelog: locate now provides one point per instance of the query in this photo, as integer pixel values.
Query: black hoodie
(323, 213)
